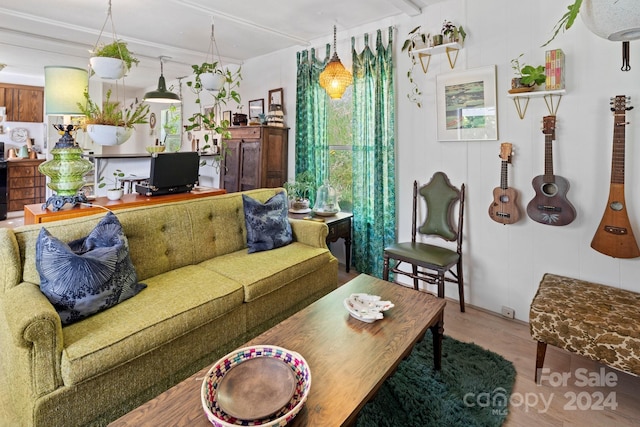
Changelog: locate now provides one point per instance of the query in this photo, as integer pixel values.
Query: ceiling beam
(407, 6)
(238, 20)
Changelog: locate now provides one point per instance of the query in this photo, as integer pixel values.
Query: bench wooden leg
(540, 353)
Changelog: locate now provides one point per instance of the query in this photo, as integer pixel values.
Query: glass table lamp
(64, 88)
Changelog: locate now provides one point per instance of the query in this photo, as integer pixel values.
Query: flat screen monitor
(170, 170)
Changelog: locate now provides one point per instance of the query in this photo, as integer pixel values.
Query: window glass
(340, 154)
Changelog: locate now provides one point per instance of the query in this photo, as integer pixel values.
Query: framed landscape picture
(466, 104)
(256, 107)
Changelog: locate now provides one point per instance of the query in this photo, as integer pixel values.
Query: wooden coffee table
(349, 359)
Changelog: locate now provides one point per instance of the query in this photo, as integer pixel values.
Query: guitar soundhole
(616, 206)
(504, 198)
(549, 189)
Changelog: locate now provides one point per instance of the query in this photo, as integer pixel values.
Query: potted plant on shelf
(114, 192)
(113, 60)
(452, 33)
(527, 76)
(209, 119)
(416, 39)
(111, 125)
(299, 192)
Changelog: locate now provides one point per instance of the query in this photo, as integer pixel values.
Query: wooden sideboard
(25, 184)
(34, 214)
(254, 157)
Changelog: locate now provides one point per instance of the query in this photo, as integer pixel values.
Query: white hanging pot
(109, 135)
(212, 81)
(613, 20)
(115, 194)
(108, 68)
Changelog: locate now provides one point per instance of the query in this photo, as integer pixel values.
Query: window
(340, 150)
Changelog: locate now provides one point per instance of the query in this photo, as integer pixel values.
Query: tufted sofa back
(161, 237)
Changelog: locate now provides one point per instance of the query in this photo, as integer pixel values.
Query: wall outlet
(508, 312)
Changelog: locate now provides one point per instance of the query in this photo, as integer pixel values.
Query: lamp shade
(64, 88)
(615, 21)
(161, 94)
(335, 78)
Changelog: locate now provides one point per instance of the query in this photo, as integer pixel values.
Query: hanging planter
(212, 81)
(108, 68)
(615, 21)
(108, 134)
(110, 125)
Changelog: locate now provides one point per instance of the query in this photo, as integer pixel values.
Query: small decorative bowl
(154, 149)
(216, 373)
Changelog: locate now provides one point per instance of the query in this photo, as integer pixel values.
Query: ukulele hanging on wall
(504, 208)
(614, 236)
(550, 205)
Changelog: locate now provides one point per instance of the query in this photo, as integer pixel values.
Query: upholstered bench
(597, 321)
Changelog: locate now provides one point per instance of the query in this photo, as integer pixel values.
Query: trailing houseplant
(416, 39)
(210, 118)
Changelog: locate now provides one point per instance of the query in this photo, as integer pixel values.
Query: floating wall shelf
(448, 48)
(521, 100)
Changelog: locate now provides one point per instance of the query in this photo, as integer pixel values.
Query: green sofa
(205, 295)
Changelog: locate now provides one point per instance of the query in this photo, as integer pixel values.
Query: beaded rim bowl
(214, 376)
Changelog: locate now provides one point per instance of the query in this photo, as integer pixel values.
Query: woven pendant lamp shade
(335, 78)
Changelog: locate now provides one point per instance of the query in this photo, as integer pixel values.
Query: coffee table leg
(437, 330)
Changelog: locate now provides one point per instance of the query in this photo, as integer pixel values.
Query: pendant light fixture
(335, 78)
(161, 94)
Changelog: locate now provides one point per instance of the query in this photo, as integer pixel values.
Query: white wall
(504, 263)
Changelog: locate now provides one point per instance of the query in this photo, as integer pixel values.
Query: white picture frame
(466, 105)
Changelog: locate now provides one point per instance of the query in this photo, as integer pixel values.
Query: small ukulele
(504, 208)
(614, 236)
(550, 205)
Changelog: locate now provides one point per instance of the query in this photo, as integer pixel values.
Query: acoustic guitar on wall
(550, 205)
(614, 236)
(504, 208)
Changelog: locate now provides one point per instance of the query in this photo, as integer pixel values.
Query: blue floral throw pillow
(87, 275)
(267, 224)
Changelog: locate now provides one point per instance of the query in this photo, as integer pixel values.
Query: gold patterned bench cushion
(597, 321)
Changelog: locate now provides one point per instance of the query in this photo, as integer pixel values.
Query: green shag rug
(472, 389)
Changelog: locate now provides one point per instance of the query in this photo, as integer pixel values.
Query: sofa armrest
(310, 233)
(35, 338)
(10, 266)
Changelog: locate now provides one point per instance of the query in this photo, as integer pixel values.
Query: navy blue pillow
(267, 224)
(88, 275)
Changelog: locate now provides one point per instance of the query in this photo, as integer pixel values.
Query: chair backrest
(440, 197)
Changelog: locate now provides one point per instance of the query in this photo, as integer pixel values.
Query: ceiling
(35, 33)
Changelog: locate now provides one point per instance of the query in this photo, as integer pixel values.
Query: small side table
(339, 227)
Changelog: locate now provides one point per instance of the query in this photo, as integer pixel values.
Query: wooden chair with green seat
(432, 263)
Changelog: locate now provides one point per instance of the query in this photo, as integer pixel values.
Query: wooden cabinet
(24, 103)
(25, 184)
(255, 157)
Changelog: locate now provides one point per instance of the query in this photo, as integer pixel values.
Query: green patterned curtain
(374, 195)
(312, 150)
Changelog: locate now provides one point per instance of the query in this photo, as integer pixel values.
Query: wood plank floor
(551, 403)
